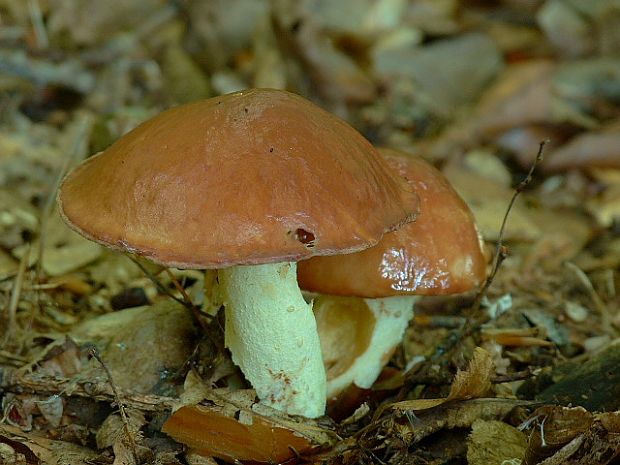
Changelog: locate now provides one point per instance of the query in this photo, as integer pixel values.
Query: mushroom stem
(271, 333)
(379, 325)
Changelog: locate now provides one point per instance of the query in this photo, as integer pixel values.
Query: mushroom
(248, 184)
(368, 297)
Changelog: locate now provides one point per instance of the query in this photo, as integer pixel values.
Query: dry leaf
(212, 433)
(336, 74)
(563, 234)
(65, 250)
(521, 96)
(233, 427)
(113, 429)
(566, 28)
(599, 445)
(475, 381)
(141, 344)
(124, 439)
(553, 427)
(595, 149)
(489, 200)
(459, 414)
(605, 207)
(474, 61)
(93, 22)
(37, 449)
(471, 383)
(495, 442)
(196, 459)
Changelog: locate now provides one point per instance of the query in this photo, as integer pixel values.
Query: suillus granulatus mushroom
(367, 297)
(247, 183)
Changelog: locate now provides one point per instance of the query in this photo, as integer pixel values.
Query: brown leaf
(596, 149)
(460, 414)
(562, 435)
(212, 433)
(113, 430)
(494, 442)
(471, 383)
(233, 427)
(35, 449)
(488, 200)
(521, 96)
(140, 344)
(553, 427)
(475, 381)
(605, 207)
(124, 440)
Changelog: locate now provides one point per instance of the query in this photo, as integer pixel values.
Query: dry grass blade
(15, 296)
(36, 17)
(79, 143)
(596, 299)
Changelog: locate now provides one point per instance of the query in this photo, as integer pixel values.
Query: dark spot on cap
(307, 238)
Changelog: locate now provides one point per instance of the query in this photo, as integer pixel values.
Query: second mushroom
(367, 298)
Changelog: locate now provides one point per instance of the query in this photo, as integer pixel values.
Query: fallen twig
(500, 250)
(476, 318)
(18, 382)
(93, 352)
(160, 287)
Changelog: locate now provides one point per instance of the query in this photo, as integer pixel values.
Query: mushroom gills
(272, 336)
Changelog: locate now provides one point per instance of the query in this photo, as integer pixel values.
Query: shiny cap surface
(439, 253)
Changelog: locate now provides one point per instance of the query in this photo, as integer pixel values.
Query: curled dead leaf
(472, 383)
(229, 425)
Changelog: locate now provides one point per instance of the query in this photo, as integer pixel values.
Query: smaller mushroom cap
(440, 253)
(259, 176)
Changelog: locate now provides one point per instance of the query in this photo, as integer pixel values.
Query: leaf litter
(472, 86)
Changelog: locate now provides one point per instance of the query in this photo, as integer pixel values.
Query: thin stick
(15, 295)
(17, 380)
(185, 301)
(179, 288)
(93, 352)
(451, 341)
(160, 287)
(500, 250)
(36, 17)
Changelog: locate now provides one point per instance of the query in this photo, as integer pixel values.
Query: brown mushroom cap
(258, 176)
(440, 253)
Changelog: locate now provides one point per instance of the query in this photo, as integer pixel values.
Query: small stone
(576, 312)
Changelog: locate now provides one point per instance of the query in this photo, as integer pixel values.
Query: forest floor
(95, 354)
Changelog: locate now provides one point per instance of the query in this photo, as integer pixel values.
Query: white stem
(272, 335)
(392, 316)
